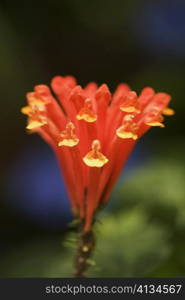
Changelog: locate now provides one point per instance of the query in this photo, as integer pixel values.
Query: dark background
(141, 42)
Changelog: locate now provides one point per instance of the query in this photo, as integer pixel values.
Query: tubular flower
(92, 133)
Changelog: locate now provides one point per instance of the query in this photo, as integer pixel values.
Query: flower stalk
(85, 247)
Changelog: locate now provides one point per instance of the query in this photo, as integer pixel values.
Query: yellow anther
(168, 111)
(154, 118)
(128, 128)
(155, 123)
(86, 113)
(34, 124)
(126, 134)
(130, 109)
(68, 137)
(26, 110)
(37, 105)
(34, 106)
(68, 142)
(130, 103)
(95, 158)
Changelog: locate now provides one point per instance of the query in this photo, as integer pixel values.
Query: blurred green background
(141, 42)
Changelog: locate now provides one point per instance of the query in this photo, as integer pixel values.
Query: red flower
(92, 133)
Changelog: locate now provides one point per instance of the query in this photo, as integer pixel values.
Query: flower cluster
(92, 133)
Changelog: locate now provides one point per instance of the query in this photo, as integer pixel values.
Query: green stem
(86, 245)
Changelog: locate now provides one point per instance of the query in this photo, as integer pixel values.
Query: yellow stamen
(35, 124)
(126, 134)
(68, 137)
(86, 117)
(128, 128)
(68, 142)
(86, 113)
(155, 123)
(34, 106)
(168, 111)
(26, 110)
(95, 158)
(130, 109)
(130, 103)
(37, 105)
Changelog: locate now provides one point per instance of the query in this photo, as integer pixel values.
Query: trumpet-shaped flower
(92, 133)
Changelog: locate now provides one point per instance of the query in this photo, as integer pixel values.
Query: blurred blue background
(138, 42)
